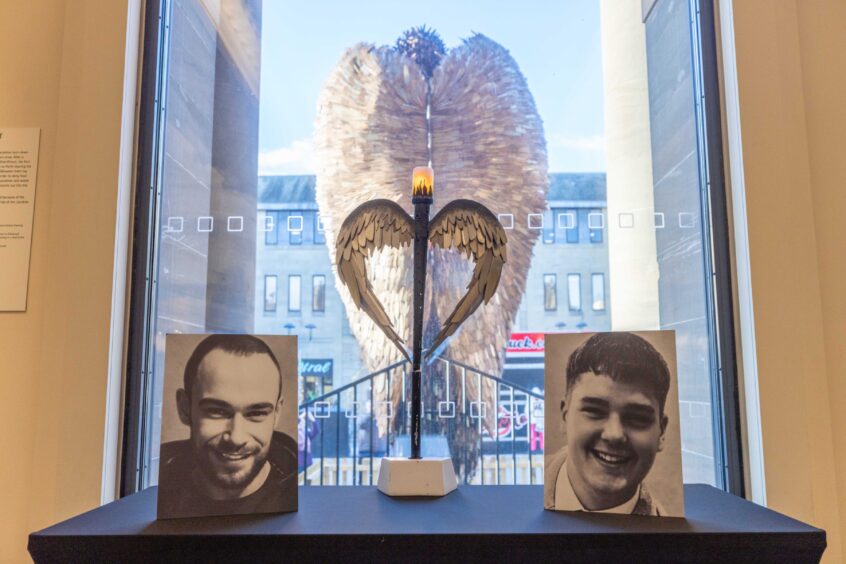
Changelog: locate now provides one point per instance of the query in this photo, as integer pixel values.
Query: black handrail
(362, 461)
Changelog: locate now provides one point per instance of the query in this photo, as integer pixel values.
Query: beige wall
(62, 69)
(791, 73)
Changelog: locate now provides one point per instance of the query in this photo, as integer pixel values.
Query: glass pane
(597, 282)
(270, 293)
(574, 291)
(294, 298)
(282, 117)
(318, 293)
(550, 292)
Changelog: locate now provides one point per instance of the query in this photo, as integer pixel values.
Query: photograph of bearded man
(234, 399)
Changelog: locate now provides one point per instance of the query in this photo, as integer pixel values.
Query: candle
(422, 184)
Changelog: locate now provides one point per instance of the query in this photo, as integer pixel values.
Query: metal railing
(343, 434)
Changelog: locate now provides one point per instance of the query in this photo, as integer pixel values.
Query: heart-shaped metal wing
(369, 228)
(473, 230)
(468, 226)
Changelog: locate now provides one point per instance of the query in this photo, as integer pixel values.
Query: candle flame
(423, 183)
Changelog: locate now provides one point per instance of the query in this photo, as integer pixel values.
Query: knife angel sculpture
(487, 145)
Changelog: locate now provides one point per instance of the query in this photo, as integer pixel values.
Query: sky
(555, 43)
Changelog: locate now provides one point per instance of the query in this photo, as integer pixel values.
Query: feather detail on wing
(372, 226)
(473, 230)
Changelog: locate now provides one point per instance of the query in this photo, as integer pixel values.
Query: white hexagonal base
(422, 476)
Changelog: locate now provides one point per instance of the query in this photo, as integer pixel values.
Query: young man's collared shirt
(554, 469)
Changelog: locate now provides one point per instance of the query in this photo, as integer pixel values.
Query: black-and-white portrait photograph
(611, 418)
(229, 423)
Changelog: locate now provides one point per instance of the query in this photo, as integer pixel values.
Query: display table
(489, 523)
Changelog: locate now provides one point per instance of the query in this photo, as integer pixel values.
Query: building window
(270, 293)
(319, 234)
(318, 292)
(574, 291)
(597, 283)
(271, 228)
(596, 223)
(294, 292)
(550, 292)
(568, 222)
(295, 229)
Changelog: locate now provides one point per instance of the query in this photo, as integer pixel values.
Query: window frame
(146, 222)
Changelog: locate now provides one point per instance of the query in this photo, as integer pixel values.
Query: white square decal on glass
(205, 224)
(295, 223)
(480, 410)
(321, 410)
(353, 412)
(507, 220)
(566, 220)
(389, 409)
(175, 224)
(626, 220)
(446, 409)
(686, 220)
(596, 220)
(535, 221)
(235, 223)
(268, 223)
(658, 220)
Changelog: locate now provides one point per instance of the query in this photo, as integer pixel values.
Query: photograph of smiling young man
(229, 415)
(612, 424)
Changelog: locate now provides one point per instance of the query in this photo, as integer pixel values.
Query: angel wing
(472, 229)
(369, 228)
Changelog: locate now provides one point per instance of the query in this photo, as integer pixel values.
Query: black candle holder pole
(422, 198)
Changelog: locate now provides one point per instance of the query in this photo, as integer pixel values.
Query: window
(295, 229)
(271, 228)
(550, 292)
(319, 233)
(596, 223)
(292, 190)
(270, 293)
(294, 297)
(569, 221)
(597, 283)
(548, 229)
(318, 293)
(574, 291)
